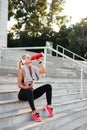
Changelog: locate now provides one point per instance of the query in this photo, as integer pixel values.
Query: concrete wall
(3, 22)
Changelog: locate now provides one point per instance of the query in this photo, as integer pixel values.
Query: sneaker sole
(37, 120)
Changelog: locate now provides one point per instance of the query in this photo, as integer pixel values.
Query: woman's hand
(30, 85)
(38, 60)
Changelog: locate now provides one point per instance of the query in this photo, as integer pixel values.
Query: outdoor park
(58, 29)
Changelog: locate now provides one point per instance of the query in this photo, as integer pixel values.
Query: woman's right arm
(20, 80)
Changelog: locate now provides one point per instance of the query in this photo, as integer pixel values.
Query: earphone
(23, 61)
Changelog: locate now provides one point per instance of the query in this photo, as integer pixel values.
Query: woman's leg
(27, 95)
(47, 88)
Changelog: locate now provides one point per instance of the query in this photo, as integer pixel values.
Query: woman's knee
(49, 87)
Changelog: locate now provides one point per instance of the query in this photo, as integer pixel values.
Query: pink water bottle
(37, 56)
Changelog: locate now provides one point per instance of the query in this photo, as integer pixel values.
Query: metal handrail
(45, 53)
(82, 68)
(74, 54)
(29, 48)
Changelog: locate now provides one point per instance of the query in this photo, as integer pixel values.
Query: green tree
(54, 15)
(78, 37)
(34, 16)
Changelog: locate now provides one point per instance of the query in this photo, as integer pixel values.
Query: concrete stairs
(70, 110)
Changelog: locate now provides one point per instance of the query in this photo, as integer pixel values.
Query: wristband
(40, 62)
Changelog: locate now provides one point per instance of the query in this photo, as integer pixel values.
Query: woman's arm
(20, 80)
(41, 66)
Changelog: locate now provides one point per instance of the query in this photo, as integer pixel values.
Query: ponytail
(19, 64)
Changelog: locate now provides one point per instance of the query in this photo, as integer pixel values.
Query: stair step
(78, 124)
(8, 94)
(68, 86)
(55, 122)
(12, 105)
(60, 81)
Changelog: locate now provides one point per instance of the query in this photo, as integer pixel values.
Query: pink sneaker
(49, 110)
(36, 117)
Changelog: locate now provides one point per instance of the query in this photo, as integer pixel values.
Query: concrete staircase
(70, 110)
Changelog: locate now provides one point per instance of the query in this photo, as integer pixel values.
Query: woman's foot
(36, 116)
(49, 110)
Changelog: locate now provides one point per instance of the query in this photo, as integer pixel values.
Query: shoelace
(37, 114)
(51, 109)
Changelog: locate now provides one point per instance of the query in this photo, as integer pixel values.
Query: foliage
(78, 37)
(74, 38)
(34, 26)
(34, 16)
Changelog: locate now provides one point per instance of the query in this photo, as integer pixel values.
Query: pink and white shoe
(36, 117)
(49, 110)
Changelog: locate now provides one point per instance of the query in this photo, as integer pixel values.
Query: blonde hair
(19, 64)
(21, 61)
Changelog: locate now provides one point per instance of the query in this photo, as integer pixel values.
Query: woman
(26, 75)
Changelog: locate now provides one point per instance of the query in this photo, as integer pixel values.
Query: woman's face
(28, 59)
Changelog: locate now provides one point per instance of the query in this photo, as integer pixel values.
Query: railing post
(45, 54)
(0, 55)
(63, 53)
(81, 87)
(73, 58)
(57, 50)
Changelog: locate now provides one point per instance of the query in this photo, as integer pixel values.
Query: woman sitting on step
(27, 73)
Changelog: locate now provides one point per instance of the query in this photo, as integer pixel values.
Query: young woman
(27, 73)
